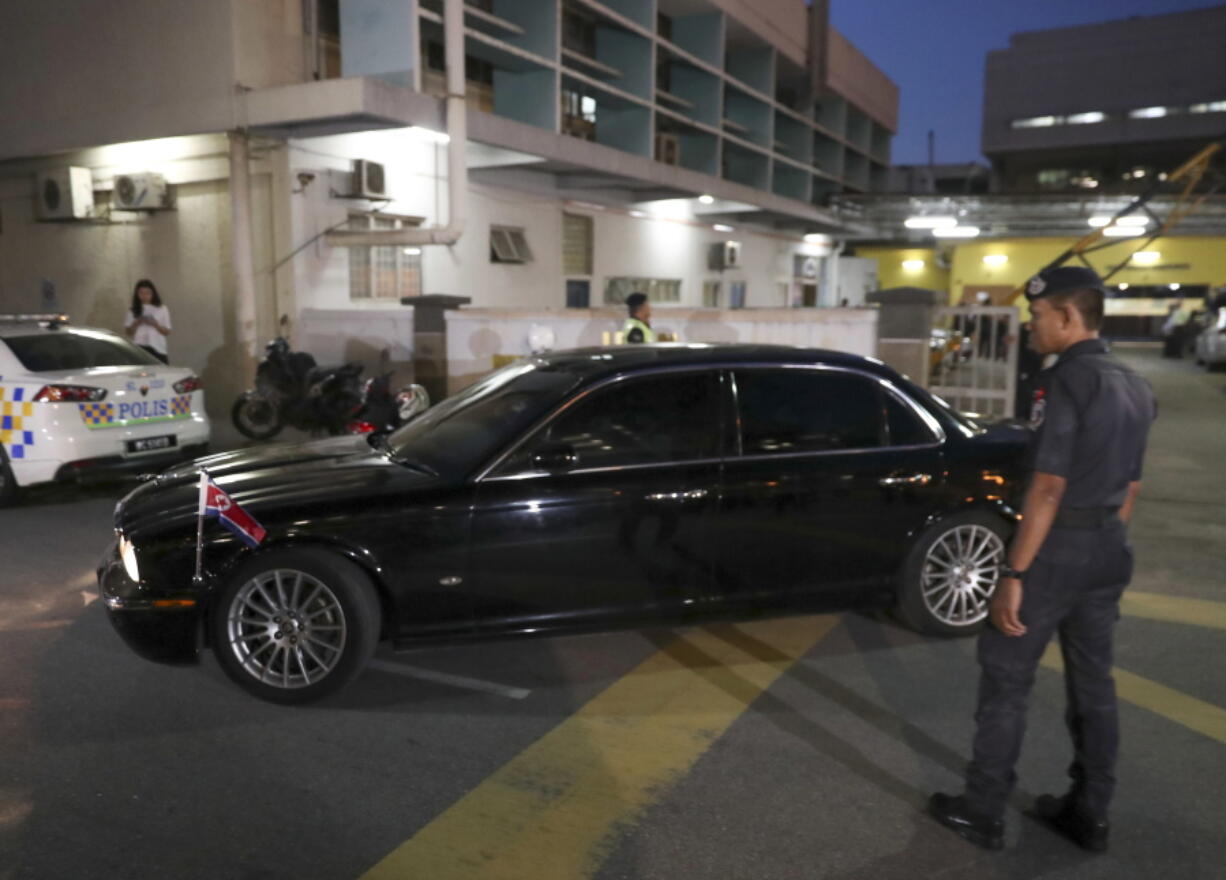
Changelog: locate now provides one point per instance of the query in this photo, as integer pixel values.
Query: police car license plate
(148, 444)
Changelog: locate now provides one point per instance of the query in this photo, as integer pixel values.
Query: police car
(77, 403)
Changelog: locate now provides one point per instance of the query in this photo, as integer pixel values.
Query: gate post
(904, 328)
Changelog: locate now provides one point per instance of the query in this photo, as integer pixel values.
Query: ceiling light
(720, 227)
(934, 222)
(995, 259)
(913, 265)
(817, 238)
(1147, 258)
(1122, 231)
(638, 213)
(956, 232)
(1100, 221)
(1173, 286)
(1123, 286)
(706, 199)
(411, 252)
(1133, 220)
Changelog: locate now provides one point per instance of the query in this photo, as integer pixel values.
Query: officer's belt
(1086, 517)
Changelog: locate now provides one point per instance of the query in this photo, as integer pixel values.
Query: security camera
(305, 177)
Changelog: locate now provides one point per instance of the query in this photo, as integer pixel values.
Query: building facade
(1104, 107)
(683, 147)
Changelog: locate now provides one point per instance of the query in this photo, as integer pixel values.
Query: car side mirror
(555, 458)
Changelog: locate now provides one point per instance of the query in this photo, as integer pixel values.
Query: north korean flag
(216, 503)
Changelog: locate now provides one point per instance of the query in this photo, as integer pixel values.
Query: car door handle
(678, 497)
(905, 480)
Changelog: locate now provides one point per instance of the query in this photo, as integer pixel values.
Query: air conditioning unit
(65, 193)
(724, 255)
(668, 149)
(368, 180)
(139, 192)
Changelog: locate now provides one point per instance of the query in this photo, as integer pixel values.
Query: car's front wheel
(295, 624)
(950, 574)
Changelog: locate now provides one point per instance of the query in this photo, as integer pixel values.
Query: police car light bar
(34, 318)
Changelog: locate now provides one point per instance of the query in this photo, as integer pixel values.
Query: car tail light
(70, 393)
(360, 427)
(188, 385)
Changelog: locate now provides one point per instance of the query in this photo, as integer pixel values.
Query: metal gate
(973, 358)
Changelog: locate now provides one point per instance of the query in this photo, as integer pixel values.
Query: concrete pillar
(904, 327)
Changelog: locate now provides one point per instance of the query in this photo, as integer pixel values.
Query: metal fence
(973, 358)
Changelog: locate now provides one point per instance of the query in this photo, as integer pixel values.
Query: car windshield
(77, 350)
(463, 431)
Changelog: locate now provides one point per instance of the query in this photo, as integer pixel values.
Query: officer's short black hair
(634, 301)
(1074, 286)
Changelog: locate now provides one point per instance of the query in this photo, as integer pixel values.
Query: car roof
(597, 361)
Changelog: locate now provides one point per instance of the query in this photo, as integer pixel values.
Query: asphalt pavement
(800, 748)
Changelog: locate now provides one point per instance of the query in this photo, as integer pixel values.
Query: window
(1208, 107)
(576, 244)
(386, 271)
(508, 245)
(905, 427)
(710, 294)
(76, 350)
(648, 420)
(658, 290)
(785, 411)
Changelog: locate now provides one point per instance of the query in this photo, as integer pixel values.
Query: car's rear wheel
(255, 416)
(293, 625)
(8, 484)
(950, 574)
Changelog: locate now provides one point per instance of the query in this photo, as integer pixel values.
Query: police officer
(638, 326)
(1067, 566)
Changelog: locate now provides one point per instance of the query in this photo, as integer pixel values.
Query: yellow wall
(1203, 257)
(890, 272)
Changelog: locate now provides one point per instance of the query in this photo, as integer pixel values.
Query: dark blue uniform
(1092, 417)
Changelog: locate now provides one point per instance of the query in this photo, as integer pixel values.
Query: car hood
(272, 483)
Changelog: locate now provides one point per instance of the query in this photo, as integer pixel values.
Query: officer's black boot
(1063, 815)
(980, 829)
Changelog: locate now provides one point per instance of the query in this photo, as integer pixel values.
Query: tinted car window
(646, 420)
(807, 411)
(466, 429)
(76, 350)
(906, 429)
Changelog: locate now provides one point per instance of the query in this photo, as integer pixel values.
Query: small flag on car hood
(216, 503)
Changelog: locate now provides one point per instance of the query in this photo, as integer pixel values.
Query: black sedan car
(574, 491)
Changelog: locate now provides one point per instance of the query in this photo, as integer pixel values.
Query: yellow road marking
(1204, 718)
(555, 809)
(1174, 609)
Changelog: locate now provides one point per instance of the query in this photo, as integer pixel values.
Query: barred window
(386, 271)
(576, 244)
(658, 290)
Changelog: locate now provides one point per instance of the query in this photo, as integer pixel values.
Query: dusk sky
(935, 51)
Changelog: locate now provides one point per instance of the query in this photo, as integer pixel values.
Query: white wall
(670, 241)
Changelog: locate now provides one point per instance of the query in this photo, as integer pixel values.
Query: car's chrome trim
(926, 417)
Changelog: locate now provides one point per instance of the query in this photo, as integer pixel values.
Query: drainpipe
(241, 253)
(457, 167)
(832, 272)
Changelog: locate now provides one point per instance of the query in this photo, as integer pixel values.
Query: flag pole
(201, 504)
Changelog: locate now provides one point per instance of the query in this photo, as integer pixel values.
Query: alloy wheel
(960, 572)
(286, 628)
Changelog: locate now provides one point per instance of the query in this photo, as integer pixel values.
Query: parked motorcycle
(290, 389)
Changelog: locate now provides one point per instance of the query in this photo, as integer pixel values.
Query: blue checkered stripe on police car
(97, 413)
(14, 410)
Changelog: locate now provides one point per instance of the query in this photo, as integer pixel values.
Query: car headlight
(127, 552)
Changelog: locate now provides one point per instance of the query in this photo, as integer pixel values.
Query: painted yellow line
(1174, 609)
(1204, 718)
(555, 809)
